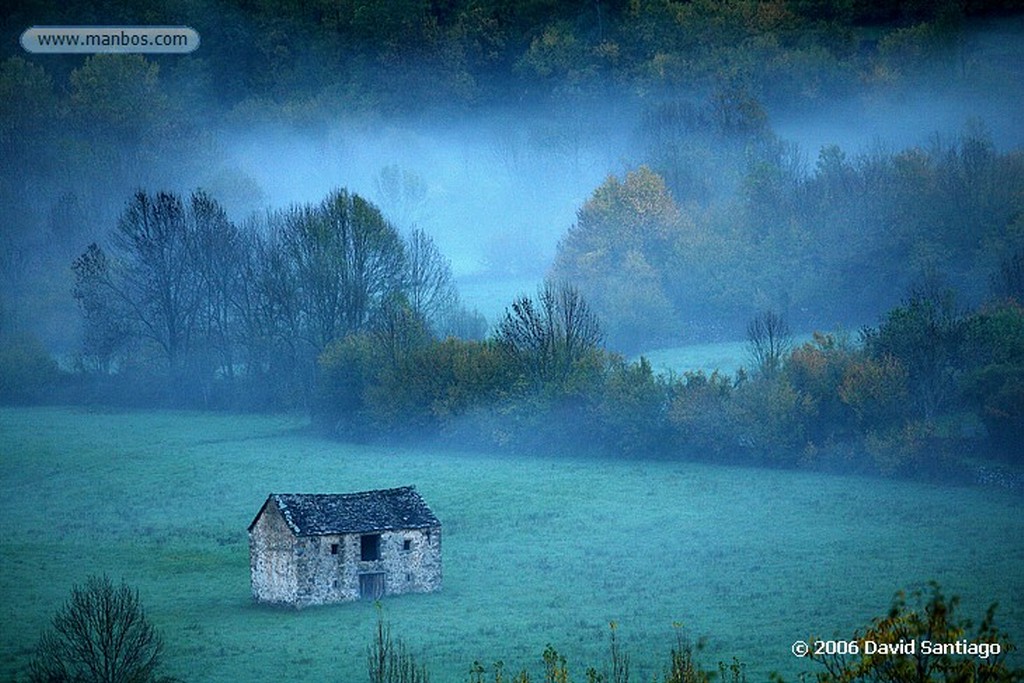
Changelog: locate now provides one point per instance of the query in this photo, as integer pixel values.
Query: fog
(712, 308)
(495, 190)
(497, 186)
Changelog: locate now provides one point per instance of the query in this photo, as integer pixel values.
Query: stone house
(316, 548)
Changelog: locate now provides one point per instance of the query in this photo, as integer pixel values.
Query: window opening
(369, 547)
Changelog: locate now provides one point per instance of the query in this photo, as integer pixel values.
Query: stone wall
(271, 558)
(313, 570)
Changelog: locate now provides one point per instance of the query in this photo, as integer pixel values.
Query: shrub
(927, 617)
(770, 418)
(699, 412)
(27, 372)
(628, 411)
(347, 367)
(817, 369)
(995, 382)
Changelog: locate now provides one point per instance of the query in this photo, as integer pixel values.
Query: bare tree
(156, 281)
(217, 248)
(402, 195)
(398, 329)
(107, 331)
(768, 342)
(266, 306)
(429, 286)
(348, 260)
(549, 336)
(101, 635)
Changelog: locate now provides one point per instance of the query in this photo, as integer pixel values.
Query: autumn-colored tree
(924, 618)
(618, 253)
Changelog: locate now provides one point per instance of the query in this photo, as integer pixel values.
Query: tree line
(933, 390)
(664, 256)
(193, 309)
(393, 55)
(328, 308)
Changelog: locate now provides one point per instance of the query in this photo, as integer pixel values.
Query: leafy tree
(769, 418)
(101, 635)
(627, 410)
(876, 390)
(348, 368)
(925, 336)
(618, 252)
(120, 104)
(443, 389)
(817, 370)
(701, 413)
(28, 106)
(994, 381)
(1008, 281)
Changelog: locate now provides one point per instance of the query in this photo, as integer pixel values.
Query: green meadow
(726, 357)
(536, 550)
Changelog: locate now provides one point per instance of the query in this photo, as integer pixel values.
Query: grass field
(726, 357)
(536, 550)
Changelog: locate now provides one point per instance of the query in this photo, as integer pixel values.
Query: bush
(926, 617)
(700, 413)
(433, 387)
(817, 369)
(27, 372)
(347, 368)
(628, 412)
(995, 383)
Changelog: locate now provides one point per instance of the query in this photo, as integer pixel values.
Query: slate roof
(317, 514)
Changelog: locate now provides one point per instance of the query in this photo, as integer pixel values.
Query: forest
(138, 270)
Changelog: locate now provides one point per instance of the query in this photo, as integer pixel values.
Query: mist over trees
(825, 247)
(694, 216)
(180, 292)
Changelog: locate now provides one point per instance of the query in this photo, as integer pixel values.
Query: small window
(407, 544)
(369, 547)
(334, 549)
